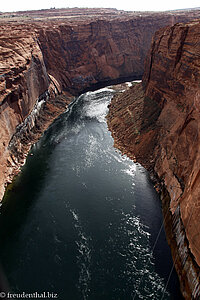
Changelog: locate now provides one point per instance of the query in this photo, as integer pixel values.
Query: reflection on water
(81, 220)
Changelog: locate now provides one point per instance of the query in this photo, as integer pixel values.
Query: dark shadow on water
(14, 211)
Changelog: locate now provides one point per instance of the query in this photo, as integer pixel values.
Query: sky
(133, 5)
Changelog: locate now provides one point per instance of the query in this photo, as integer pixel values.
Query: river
(81, 220)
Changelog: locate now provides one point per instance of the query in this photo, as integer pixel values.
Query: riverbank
(46, 110)
(49, 107)
(133, 120)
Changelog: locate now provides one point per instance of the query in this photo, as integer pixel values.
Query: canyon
(49, 57)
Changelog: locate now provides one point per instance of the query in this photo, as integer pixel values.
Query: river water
(83, 221)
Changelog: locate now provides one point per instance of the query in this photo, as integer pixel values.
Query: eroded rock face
(101, 51)
(26, 94)
(172, 80)
(23, 79)
(82, 55)
(159, 127)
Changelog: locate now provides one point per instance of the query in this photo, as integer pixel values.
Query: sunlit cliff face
(178, 91)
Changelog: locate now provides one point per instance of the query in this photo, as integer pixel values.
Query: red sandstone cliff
(23, 79)
(24, 87)
(173, 80)
(85, 54)
(177, 158)
(159, 125)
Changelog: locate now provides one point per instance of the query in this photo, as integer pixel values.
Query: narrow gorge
(47, 58)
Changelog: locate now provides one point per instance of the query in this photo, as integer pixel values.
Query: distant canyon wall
(84, 55)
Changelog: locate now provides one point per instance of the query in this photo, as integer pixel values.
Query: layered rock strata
(157, 123)
(85, 55)
(26, 92)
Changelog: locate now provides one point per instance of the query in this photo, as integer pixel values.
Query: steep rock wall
(159, 126)
(172, 80)
(25, 86)
(23, 79)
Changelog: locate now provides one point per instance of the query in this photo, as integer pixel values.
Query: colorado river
(81, 220)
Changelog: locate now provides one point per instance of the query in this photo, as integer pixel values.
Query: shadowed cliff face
(84, 55)
(158, 125)
(89, 54)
